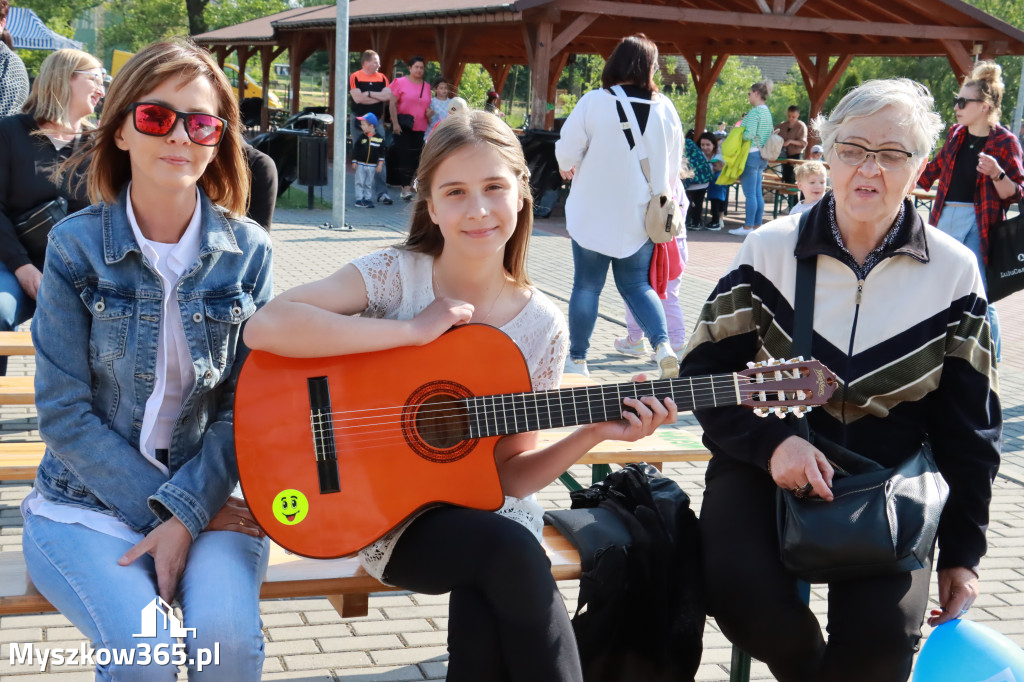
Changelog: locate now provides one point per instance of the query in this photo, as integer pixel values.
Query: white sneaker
(667, 361)
(741, 231)
(637, 349)
(576, 367)
(678, 351)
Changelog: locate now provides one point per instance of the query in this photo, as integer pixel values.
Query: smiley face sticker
(290, 507)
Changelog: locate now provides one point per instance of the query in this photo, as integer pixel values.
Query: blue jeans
(753, 196)
(76, 569)
(380, 184)
(15, 307)
(958, 220)
(632, 279)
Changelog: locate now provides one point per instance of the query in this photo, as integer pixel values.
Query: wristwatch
(1001, 176)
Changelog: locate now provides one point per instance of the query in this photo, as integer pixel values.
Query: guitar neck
(501, 415)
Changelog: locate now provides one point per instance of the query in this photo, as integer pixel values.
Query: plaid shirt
(989, 208)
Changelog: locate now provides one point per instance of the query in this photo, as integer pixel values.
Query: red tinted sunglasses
(158, 121)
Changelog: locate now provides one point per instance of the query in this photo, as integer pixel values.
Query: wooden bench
(343, 582)
(16, 343)
(779, 190)
(19, 461)
(17, 391)
(346, 585)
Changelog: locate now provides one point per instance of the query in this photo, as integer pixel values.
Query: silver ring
(964, 611)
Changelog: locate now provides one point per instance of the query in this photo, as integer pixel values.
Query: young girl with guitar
(137, 337)
(464, 261)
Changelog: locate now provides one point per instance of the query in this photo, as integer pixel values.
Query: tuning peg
(761, 411)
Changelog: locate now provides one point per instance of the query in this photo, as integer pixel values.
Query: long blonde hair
(226, 179)
(451, 135)
(51, 92)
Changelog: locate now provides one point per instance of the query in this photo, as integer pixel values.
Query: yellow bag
(734, 155)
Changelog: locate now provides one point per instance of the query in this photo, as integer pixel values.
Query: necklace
(973, 140)
(437, 287)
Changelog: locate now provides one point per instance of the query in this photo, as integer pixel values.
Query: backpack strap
(638, 139)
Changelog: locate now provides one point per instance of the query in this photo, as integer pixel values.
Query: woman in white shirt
(605, 209)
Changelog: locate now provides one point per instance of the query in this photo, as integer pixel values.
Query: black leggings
(507, 620)
(696, 198)
(874, 625)
(408, 146)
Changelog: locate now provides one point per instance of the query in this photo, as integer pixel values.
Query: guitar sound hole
(441, 422)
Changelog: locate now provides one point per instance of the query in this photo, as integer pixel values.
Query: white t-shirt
(398, 287)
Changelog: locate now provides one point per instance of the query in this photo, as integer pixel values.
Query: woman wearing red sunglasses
(137, 337)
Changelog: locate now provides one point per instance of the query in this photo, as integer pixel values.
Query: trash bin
(312, 160)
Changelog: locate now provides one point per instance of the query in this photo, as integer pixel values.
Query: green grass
(298, 198)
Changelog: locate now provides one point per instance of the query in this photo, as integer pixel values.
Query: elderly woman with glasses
(979, 169)
(32, 145)
(138, 350)
(899, 316)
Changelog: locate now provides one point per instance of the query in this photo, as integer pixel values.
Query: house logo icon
(157, 615)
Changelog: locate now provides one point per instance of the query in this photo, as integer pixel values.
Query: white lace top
(399, 286)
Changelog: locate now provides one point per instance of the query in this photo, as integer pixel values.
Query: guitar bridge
(322, 422)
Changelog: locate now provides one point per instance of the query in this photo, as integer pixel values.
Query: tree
(727, 100)
(196, 10)
(131, 25)
(231, 12)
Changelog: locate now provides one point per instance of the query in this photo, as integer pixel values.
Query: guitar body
(396, 431)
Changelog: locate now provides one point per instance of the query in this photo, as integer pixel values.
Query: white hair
(909, 98)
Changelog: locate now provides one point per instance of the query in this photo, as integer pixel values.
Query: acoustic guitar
(334, 452)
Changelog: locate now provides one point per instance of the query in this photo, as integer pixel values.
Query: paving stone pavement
(404, 635)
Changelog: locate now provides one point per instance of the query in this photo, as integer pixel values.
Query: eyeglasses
(158, 121)
(961, 102)
(853, 154)
(97, 77)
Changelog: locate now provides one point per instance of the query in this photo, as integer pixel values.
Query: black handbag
(33, 226)
(1004, 272)
(880, 520)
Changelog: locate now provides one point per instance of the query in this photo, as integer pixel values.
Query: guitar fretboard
(501, 415)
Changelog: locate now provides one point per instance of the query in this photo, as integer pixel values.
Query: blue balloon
(964, 651)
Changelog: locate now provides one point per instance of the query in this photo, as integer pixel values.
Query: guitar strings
(695, 393)
(498, 418)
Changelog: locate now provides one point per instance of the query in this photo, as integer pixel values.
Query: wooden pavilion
(823, 36)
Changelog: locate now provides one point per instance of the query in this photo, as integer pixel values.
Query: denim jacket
(95, 332)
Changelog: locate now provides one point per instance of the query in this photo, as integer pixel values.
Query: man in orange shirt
(370, 95)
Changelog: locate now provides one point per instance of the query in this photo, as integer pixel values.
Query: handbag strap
(803, 299)
(638, 139)
(803, 310)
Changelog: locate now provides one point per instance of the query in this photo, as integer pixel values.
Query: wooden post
(704, 70)
(498, 74)
(557, 66)
(819, 79)
(244, 52)
(959, 58)
(539, 44)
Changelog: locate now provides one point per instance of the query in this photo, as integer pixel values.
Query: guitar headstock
(783, 386)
